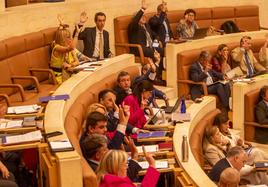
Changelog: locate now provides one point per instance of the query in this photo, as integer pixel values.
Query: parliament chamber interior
(166, 93)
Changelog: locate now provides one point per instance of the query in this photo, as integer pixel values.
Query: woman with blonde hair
(112, 170)
(63, 56)
(213, 146)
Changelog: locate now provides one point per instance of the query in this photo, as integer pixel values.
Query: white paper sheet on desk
(260, 185)
(10, 124)
(61, 144)
(23, 109)
(159, 164)
(148, 148)
(28, 137)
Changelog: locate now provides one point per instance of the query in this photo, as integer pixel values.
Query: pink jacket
(137, 116)
(149, 180)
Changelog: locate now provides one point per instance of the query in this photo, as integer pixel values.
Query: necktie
(149, 41)
(249, 66)
(101, 46)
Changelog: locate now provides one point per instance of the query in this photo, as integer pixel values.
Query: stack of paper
(23, 109)
(23, 138)
(61, 145)
(159, 164)
(148, 148)
(5, 124)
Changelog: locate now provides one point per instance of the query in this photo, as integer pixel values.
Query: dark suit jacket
(197, 75)
(136, 33)
(88, 35)
(261, 113)
(157, 26)
(120, 95)
(217, 169)
(93, 165)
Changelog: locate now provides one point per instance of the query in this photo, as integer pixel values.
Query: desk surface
(192, 168)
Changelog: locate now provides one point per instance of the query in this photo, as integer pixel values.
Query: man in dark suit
(261, 113)
(95, 39)
(201, 71)
(236, 158)
(139, 32)
(160, 25)
(123, 87)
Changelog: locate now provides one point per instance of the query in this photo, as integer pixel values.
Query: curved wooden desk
(70, 171)
(173, 49)
(192, 168)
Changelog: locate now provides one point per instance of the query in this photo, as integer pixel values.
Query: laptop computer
(170, 109)
(200, 33)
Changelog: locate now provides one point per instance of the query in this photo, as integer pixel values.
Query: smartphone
(52, 134)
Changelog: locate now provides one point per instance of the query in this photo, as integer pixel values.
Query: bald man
(230, 177)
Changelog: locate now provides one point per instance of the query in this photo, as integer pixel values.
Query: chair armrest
(34, 80)
(133, 45)
(18, 86)
(49, 71)
(263, 28)
(204, 86)
(6, 98)
(256, 124)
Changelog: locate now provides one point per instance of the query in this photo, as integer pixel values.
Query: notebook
(152, 134)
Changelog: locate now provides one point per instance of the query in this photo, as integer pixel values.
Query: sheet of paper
(23, 109)
(28, 137)
(14, 124)
(148, 148)
(61, 144)
(159, 164)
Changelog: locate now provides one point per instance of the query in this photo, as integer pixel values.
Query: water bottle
(185, 153)
(183, 106)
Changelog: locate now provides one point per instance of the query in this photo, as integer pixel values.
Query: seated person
(220, 61)
(138, 101)
(213, 147)
(244, 57)
(97, 124)
(263, 54)
(95, 39)
(187, 26)
(261, 134)
(254, 154)
(148, 73)
(236, 158)
(122, 88)
(113, 170)
(7, 179)
(63, 57)
(201, 71)
(94, 148)
(107, 98)
(139, 32)
(230, 177)
(160, 25)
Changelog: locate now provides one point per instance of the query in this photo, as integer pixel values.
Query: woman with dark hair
(219, 62)
(137, 102)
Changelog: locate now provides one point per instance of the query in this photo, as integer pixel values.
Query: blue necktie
(249, 66)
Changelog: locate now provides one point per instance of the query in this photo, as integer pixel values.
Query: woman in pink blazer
(137, 102)
(112, 171)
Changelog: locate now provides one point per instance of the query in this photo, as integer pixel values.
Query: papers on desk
(245, 80)
(23, 109)
(5, 123)
(177, 116)
(61, 145)
(88, 66)
(152, 134)
(159, 164)
(148, 148)
(22, 138)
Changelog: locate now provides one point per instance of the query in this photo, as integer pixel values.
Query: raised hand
(144, 4)
(116, 108)
(83, 18)
(133, 148)
(148, 157)
(123, 116)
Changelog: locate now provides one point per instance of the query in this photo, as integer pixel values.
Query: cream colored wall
(24, 19)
